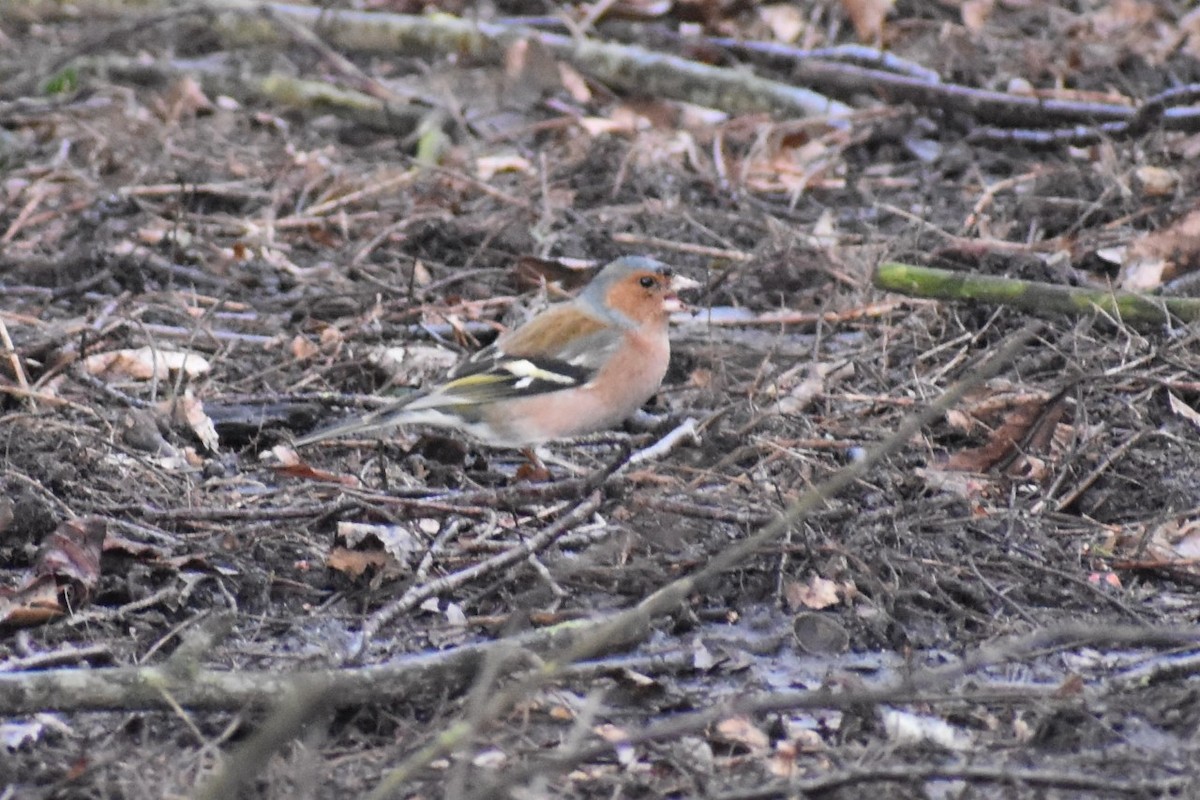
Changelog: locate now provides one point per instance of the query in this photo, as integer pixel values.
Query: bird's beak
(679, 283)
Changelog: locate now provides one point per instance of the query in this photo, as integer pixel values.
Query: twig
(847, 53)
(714, 317)
(1160, 109)
(417, 594)
(15, 360)
(1117, 454)
(685, 508)
(68, 654)
(1006, 775)
(685, 432)
(639, 240)
(236, 189)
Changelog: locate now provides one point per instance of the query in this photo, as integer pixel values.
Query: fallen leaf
(818, 593)
(414, 364)
(398, 541)
(1163, 255)
(490, 759)
(1182, 409)
(867, 17)
(905, 728)
(303, 348)
(355, 562)
(785, 20)
(17, 733)
(619, 739)
(530, 272)
(1156, 181)
(741, 731)
(64, 575)
(36, 602)
(975, 14)
(1105, 579)
(144, 363)
(575, 84)
(188, 411)
(305, 471)
(1027, 424)
(71, 554)
(488, 167)
(960, 484)
(184, 98)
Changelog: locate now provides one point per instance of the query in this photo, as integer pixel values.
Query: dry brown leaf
(742, 731)
(1182, 409)
(530, 272)
(355, 562)
(530, 69)
(960, 484)
(331, 338)
(818, 593)
(188, 411)
(619, 738)
(414, 364)
(144, 363)
(488, 167)
(975, 14)
(185, 98)
(785, 20)
(905, 728)
(1163, 255)
(1027, 422)
(35, 603)
(575, 84)
(303, 348)
(1157, 181)
(397, 541)
(1175, 540)
(790, 164)
(867, 17)
(1110, 580)
(70, 555)
(640, 9)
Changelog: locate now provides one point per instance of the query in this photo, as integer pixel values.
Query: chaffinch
(575, 368)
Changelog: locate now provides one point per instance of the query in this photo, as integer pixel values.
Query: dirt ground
(193, 272)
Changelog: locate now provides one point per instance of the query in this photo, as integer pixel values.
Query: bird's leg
(544, 456)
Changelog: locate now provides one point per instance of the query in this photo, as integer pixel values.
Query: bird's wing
(559, 349)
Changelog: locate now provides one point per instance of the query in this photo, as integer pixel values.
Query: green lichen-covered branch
(627, 67)
(1042, 299)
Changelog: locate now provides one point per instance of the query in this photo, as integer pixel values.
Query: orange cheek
(634, 302)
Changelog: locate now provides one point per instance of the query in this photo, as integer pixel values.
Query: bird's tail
(378, 420)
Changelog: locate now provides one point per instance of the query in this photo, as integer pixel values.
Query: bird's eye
(647, 282)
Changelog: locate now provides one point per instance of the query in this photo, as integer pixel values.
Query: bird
(578, 367)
